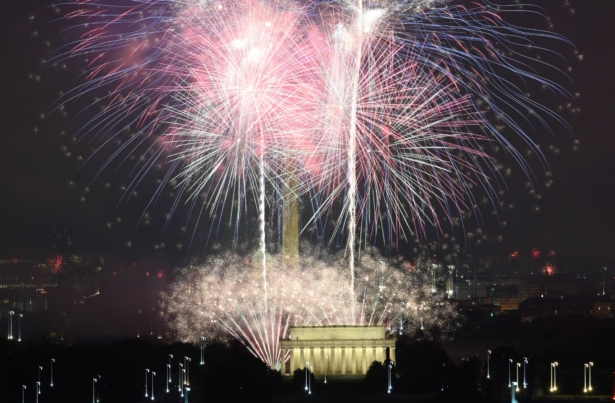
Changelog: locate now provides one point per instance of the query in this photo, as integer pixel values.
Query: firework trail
(224, 296)
(405, 93)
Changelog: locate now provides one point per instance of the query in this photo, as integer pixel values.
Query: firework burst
(224, 296)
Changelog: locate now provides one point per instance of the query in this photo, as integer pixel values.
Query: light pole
(202, 350)
(488, 359)
(554, 376)
(310, 380)
(39, 378)
(23, 392)
(146, 372)
(585, 367)
(98, 391)
(390, 367)
(10, 336)
(170, 357)
(94, 390)
(181, 382)
(442, 378)
(590, 365)
(52, 361)
(509, 362)
(168, 376)
(326, 364)
(38, 390)
(19, 327)
(525, 362)
(517, 383)
(153, 375)
(138, 315)
(307, 364)
(187, 379)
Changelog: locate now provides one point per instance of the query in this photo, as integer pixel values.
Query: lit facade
(337, 350)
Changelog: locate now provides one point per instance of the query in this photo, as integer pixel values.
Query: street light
(525, 362)
(10, 336)
(326, 364)
(442, 378)
(38, 390)
(390, 367)
(591, 364)
(202, 350)
(488, 359)
(181, 382)
(168, 376)
(98, 390)
(170, 357)
(187, 379)
(585, 367)
(153, 375)
(94, 380)
(23, 392)
(553, 376)
(307, 364)
(52, 361)
(517, 383)
(19, 327)
(138, 315)
(509, 362)
(39, 378)
(310, 380)
(146, 372)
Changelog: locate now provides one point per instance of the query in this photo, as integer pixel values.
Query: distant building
(479, 305)
(547, 286)
(466, 292)
(586, 305)
(506, 303)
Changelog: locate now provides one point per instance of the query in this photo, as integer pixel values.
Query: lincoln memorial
(338, 350)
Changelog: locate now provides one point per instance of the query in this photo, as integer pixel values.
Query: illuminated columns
(363, 360)
(311, 355)
(338, 360)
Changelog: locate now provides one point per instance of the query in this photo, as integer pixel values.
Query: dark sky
(576, 214)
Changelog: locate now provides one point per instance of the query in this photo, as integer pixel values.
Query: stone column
(344, 355)
(353, 362)
(393, 354)
(311, 357)
(302, 359)
(337, 363)
(363, 360)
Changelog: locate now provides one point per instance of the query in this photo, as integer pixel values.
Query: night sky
(47, 183)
